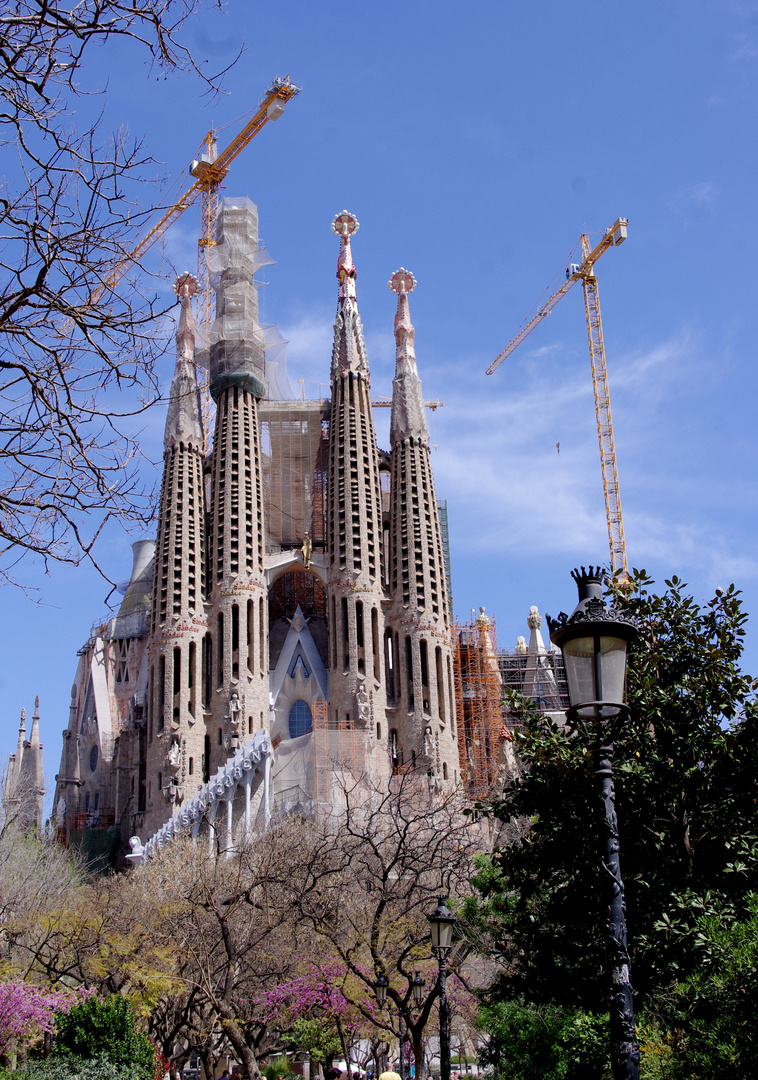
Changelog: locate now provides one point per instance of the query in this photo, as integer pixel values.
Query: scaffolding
(295, 439)
(541, 677)
(478, 702)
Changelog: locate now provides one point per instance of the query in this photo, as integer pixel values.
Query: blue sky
(475, 143)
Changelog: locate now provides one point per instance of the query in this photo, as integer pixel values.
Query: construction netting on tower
(478, 703)
(295, 438)
(341, 756)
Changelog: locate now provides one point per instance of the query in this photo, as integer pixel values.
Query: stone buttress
(175, 725)
(418, 642)
(354, 515)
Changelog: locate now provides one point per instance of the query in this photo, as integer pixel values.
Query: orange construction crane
(209, 170)
(585, 272)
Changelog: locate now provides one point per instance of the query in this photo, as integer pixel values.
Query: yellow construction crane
(585, 272)
(209, 170)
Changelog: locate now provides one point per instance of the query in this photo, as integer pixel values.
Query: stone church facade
(292, 616)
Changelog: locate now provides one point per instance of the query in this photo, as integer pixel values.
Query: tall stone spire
(420, 681)
(237, 355)
(355, 579)
(31, 780)
(175, 713)
(236, 689)
(14, 765)
(408, 412)
(184, 419)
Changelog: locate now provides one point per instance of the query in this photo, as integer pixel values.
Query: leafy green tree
(278, 1069)
(712, 1012)
(544, 1042)
(318, 1037)
(685, 769)
(105, 1028)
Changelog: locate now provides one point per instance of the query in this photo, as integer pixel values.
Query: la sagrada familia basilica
(293, 610)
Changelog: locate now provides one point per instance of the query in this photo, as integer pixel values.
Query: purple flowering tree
(320, 994)
(28, 1011)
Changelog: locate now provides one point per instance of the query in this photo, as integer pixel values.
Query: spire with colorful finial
(345, 225)
(185, 287)
(184, 424)
(349, 352)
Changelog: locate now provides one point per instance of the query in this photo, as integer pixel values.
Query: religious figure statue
(361, 698)
(235, 710)
(175, 755)
(306, 550)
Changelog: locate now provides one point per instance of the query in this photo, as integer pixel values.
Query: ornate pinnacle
(345, 225)
(402, 281)
(185, 286)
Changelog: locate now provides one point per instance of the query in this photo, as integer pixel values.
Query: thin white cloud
(695, 199)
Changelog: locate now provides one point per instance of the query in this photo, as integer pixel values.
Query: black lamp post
(381, 999)
(441, 924)
(594, 640)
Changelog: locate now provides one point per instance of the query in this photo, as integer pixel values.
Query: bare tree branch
(77, 357)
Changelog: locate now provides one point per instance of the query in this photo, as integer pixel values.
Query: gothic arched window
(300, 720)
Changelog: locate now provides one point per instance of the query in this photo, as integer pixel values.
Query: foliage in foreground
(105, 1029)
(685, 786)
(72, 1068)
(713, 1011)
(545, 1042)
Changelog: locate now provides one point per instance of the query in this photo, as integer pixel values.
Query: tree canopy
(685, 768)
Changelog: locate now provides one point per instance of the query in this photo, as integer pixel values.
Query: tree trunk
(209, 1067)
(345, 1050)
(239, 1044)
(417, 1041)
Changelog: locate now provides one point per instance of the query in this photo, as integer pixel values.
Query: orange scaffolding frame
(478, 702)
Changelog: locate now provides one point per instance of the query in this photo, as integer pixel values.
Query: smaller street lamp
(441, 923)
(381, 991)
(418, 985)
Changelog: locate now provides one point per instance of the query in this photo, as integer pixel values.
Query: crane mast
(585, 273)
(616, 541)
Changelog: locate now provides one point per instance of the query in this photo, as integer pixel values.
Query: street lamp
(594, 641)
(441, 924)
